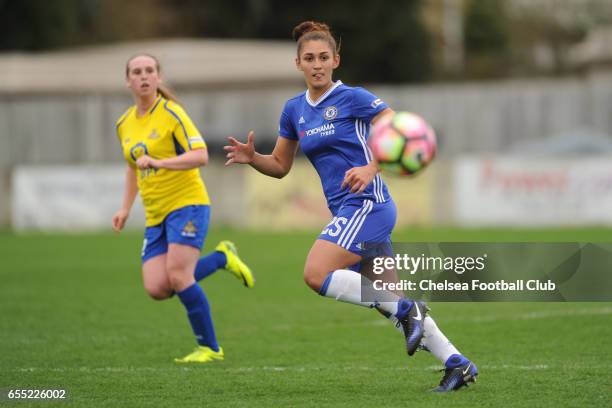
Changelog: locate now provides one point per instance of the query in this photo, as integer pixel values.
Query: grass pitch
(74, 316)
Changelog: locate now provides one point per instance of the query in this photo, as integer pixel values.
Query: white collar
(325, 95)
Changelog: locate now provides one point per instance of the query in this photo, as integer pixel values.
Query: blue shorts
(186, 226)
(362, 226)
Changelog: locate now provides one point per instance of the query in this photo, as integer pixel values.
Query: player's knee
(157, 292)
(180, 279)
(314, 277)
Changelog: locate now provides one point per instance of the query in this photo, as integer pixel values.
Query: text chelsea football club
(458, 265)
(474, 285)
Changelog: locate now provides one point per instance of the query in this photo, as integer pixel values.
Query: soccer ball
(403, 143)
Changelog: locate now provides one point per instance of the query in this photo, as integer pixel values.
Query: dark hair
(163, 90)
(313, 30)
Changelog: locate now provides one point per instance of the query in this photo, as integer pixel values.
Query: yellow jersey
(164, 131)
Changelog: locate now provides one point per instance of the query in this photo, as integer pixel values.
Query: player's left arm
(358, 178)
(379, 115)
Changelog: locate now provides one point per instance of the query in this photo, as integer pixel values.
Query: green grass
(73, 315)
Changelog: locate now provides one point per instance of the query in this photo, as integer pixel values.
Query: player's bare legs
(180, 264)
(171, 272)
(155, 278)
(323, 258)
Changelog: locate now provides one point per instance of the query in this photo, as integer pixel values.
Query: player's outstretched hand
(358, 178)
(242, 153)
(119, 219)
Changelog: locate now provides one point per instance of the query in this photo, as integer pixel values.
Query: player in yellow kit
(164, 151)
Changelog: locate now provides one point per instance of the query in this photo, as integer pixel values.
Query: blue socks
(198, 311)
(207, 265)
(456, 360)
(196, 303)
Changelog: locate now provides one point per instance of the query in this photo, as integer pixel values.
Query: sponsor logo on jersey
(330, 112)
(301, 121)
(189, 230)
(154, 135)
(376, 103)
(324, 130)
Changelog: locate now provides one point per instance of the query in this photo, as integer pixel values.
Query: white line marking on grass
(473, 319)
(500, 367)
(524, 316)
(543, 315)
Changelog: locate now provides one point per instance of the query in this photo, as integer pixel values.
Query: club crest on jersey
(189, 230)
(138, 150)
(330, 112)
(153, 135)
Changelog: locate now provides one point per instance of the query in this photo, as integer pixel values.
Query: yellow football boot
(202, 354)
(235, 265)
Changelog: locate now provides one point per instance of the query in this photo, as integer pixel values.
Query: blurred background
(519, 92)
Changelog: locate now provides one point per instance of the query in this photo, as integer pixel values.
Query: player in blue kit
(330, 122)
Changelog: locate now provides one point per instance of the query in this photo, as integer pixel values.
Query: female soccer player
(330, 122)
(164, 151)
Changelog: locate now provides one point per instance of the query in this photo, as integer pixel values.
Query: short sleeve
(118, 124)
(366, 105)
(120, 134)
(185, 132)
(285, 127)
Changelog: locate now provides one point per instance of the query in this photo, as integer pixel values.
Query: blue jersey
(333, 134)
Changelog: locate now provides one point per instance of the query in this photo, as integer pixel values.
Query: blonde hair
(163, 90)
(313, 30)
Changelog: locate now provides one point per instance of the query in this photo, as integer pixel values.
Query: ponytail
(167, 93)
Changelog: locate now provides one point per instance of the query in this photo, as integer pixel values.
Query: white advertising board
(533, 191)
(69, 197)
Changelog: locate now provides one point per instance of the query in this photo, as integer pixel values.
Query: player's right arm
(275, 165)
(130, 190)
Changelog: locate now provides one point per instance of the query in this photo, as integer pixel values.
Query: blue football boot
(411, 322)
(457, 377)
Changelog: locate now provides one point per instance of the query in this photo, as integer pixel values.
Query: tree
(486, 26)
(39, 25)
(379, 44)
(486, 39)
